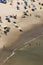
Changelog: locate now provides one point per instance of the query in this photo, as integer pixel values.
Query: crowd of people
(25, 13)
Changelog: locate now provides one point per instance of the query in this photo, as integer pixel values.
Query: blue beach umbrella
(3, 1)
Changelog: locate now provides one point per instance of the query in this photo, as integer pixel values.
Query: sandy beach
(25, 23)
(31, 26)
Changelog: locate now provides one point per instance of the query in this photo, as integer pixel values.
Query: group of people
(6, 29)
(32, 7)
(25, 13)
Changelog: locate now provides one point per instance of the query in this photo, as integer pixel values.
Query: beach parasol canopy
(3, 1)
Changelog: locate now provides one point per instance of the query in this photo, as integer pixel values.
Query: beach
(25, 23)
(22, 29)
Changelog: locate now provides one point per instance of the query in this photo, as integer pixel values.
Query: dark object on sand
(10, 3)
(29, 6)
(17, 7)
(16, 26)
(0, 20)
(15, 17)
(14, 22)
(21, 30)
(11, 16)
(40, 7)
(33, 9)
(6, 29)
(30, 14)
(18, 3)
(25, 7)
(25, 13)
(5, 32)
(33, 0)
(25, 2)
(42, 4)
(8, 19)
(39, 3)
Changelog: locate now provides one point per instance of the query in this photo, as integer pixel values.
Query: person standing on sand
(11, 2)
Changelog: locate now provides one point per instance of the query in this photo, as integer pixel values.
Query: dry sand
(26, 24)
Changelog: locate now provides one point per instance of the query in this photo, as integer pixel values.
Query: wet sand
(20, 42)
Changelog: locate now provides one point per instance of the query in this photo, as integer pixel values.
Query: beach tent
(3, 1)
